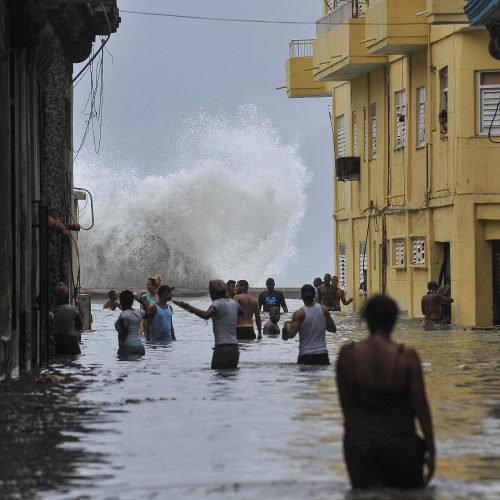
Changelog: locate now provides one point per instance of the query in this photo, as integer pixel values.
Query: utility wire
(260, 21)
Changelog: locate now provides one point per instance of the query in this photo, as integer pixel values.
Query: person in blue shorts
(162, 326)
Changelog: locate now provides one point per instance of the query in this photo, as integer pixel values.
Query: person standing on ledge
(311, 323)
(250, 308)
(381, 391)
(271, 297)
(224, 314)
(331, 295)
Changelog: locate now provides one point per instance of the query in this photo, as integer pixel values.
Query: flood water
(166, 426)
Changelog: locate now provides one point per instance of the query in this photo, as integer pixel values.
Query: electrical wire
(257, 21)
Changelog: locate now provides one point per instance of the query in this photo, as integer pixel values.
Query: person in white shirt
(311, 323)
(224, 315)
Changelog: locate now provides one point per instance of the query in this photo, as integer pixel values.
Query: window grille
(398, 252)
(363, 259)
(365, 136)
(354, 134)
(421, 117)
(373, 121)
(400, 110)
(342, 266)
(489, 97)
(341, 136)
(418, 250)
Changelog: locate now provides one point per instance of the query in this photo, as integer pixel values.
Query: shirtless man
(250, 307)
(271, 327)
(331, 294)
(431, 305)
(112, 303)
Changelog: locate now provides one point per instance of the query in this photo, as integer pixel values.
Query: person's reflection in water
(381, 391)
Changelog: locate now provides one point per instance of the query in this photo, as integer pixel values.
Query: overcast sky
(165, 69)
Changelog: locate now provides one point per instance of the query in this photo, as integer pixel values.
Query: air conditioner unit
(347, 168)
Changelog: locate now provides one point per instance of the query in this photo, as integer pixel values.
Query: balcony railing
(301, 48)
(343, 11)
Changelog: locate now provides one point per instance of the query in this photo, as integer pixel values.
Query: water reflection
(166, 426)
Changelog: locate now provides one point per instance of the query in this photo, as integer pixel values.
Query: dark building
(40, 40)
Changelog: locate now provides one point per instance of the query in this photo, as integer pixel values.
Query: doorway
(495, 251)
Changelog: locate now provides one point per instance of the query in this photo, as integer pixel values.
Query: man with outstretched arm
(311, 323)
(224, 314)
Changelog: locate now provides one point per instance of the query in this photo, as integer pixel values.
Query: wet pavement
(166, 426)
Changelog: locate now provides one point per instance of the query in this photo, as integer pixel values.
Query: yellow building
(416, 137)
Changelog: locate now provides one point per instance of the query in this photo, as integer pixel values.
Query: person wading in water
(311, 323)
(224, 314)
(381, 391)
(250, 308)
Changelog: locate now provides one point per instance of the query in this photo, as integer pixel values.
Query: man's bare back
(249, 306)
(431, 307)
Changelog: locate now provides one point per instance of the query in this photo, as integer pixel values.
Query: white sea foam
(231, 209)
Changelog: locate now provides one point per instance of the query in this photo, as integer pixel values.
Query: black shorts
(225, 357)
(314, 359)
(67, 344)
(392, 462)
(245, 333)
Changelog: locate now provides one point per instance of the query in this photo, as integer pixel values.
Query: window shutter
(489, 101)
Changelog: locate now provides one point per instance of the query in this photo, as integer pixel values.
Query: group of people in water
(380, 382)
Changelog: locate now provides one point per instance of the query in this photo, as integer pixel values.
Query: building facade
(39, 43)
(416, 135)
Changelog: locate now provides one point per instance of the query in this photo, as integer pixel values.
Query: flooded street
(166, 426)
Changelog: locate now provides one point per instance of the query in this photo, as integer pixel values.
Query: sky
(160, 71)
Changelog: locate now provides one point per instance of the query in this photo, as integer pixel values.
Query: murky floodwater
(166, 426)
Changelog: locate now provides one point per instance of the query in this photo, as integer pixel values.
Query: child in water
(271, 327)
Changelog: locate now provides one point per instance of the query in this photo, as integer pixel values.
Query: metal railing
(301, 48)
(343, 11)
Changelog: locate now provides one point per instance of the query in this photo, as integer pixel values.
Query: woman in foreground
(381, 390)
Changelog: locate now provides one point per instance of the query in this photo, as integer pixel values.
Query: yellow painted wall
(447, 192)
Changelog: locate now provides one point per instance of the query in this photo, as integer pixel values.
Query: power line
(226, 19)
(260, 21)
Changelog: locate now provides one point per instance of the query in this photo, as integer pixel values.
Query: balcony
(338, 53)
(446, 12)
(395, 27)
(299, 81)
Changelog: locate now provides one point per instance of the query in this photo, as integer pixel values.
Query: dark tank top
(379, 412)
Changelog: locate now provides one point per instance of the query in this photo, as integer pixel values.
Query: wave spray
(231, 209)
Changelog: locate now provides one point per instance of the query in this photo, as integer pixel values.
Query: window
(443, 101)
(398, 252)
(341, 136)
(373, 124)
(362, 267)
(365, 136)
(421, 117)
(354, 135)
(489, 97)
(400, 109)
(418, 250)
(342, 266)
